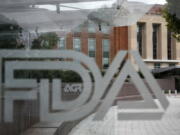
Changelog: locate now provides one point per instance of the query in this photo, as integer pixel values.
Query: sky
(95, 4)
(151, 1)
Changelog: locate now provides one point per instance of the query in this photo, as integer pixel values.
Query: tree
(108, 15)
(172, 15)
(45, 41)
(10, 33)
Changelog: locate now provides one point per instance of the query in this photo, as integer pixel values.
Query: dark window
(172, 65)
(140, 34)
(92, 47)
(155, 40)
(106, 51)
(157, 65)
(169, 45)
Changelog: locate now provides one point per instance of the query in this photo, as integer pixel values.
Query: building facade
(154, 42)
(101, 45)
(149, 36)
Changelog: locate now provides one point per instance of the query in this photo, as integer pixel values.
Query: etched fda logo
(53, 108)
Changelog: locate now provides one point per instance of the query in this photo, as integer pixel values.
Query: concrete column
(132, 33)
(148, 41)
(163, 41)
(132, 41)
(174, 48)
(1, 109)
(132, 37)
(178, 51)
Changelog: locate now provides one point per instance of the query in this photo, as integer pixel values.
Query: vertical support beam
(132, 37)
(121, 38)
(1, 109)
(149, 44)
(58, 8)
(84, 42)
(69, 41)
(132, 40)
(99, 54)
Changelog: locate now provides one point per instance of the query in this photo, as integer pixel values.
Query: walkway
(169, 125)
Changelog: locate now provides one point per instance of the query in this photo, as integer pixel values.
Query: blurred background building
(149, 36)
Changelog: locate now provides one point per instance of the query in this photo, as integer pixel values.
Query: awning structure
(167, 71)
(64, 15)
(13, 3)
(46, 21)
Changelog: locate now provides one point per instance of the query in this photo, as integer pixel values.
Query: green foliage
(10, 39)
(46, 41)
(172, 15)
(9, 34)
(65, 76)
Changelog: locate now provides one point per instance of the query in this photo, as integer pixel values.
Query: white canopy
(63, 16)
(38, 2)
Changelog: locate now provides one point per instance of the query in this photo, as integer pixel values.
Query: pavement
(43, 128)
(168, 125)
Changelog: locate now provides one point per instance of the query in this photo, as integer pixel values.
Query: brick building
(149, 36)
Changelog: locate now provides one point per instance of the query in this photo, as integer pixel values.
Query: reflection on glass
(105, 28)
(140, 37)
(62, 43)
(106, 50)
(91, 27)
(77, 44)
(92, 47)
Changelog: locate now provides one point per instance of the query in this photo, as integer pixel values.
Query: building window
(78, 28)
(157, 65)
(92, 47)
(172, 65)
(106, 53)
(46, 43)
(140, 37)
(155, 39)
(169, 45)
(92, 27)
(62, 43)
(104, 28)
(77, 44)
